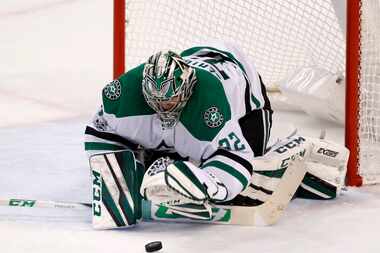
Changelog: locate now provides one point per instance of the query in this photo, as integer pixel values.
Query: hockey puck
(153, 246)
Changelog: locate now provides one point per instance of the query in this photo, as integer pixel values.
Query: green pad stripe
(319, 185)
(126, 160)
(181, 166)
(101, 146)
(229, 169)
(111, 206)
(124, 205)
(272, 173)
(127, 210)
(140, 170)
(189, 195)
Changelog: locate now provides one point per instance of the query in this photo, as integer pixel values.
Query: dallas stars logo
(213, 118)
(112, 91)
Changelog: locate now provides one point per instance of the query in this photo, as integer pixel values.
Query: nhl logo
(213, 118)
(112, 91)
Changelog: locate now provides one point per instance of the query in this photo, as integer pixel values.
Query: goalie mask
(168, 83)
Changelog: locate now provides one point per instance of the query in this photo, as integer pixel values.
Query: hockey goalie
(188, 133)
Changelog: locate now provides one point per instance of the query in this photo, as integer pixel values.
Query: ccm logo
(327, 152)
(292, 144)
(96, 193)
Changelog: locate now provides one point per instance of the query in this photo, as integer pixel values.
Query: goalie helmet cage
(279, 36)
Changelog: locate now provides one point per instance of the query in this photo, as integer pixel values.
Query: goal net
(278, 35)
(365, 145)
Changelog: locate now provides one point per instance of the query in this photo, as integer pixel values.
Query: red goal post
(118, 37)
(352, 91)
(362, 124)
(298, 30)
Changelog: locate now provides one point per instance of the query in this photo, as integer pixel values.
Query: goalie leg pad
(327, 167)
(269, 169)
(116, 200)
(313, 187)
(325, 161)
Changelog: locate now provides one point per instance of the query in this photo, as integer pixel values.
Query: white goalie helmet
(168, 83)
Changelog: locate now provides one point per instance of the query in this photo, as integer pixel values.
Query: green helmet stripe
(167, 77)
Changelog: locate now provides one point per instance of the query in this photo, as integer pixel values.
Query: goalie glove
(166, 179)
(182, 187)
(194, 183)
(154, 188)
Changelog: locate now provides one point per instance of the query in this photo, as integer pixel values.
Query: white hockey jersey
(208, 131)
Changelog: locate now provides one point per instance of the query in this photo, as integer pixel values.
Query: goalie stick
(270, 212)
(43, 203)
(265, 214)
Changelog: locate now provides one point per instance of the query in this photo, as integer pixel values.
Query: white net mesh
(278, 35)
(369, 89)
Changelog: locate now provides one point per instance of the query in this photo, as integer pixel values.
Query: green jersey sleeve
(123, 97)
(208, 109)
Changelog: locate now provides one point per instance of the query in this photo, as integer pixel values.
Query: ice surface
(55, 56)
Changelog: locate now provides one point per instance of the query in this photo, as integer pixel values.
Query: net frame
(354, 80)
(362, 128)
